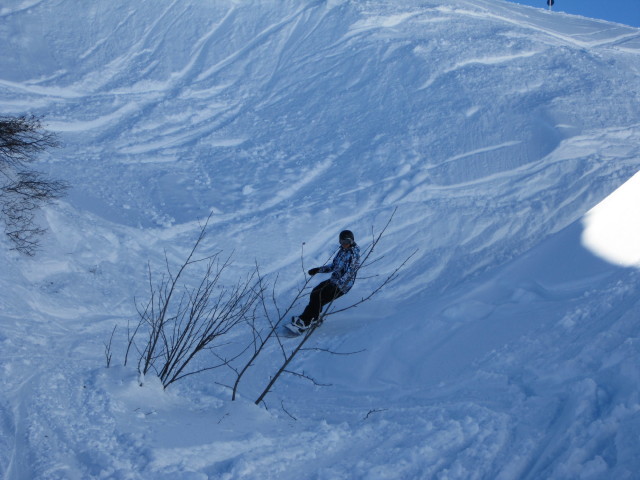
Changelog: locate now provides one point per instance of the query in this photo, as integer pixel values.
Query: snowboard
(291, 330)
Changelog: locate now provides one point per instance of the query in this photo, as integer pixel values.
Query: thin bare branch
(307, 377)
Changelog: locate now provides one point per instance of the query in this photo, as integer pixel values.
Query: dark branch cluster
(24, 191)
(21, 138)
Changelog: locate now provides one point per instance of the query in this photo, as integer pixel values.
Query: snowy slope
(507, 348)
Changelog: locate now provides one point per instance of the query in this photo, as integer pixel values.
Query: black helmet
(347, 235)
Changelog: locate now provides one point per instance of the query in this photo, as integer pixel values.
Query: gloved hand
(313, 271)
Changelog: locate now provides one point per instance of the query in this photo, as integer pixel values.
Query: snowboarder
(343, 271)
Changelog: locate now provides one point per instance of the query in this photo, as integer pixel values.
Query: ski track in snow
(505, 350)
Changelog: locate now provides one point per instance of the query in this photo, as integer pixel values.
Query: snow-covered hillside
(507, 348)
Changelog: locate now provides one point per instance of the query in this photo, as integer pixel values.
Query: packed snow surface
(508, 346)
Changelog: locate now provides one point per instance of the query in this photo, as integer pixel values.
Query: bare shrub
(24, 191)
(179, 322)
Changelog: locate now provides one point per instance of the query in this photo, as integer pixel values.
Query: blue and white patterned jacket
(344, 267)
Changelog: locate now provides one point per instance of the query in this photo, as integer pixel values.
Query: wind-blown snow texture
(507, 349)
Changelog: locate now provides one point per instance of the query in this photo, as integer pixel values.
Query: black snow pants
(323, 293)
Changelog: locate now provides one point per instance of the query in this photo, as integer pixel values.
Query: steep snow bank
(611, 229)
(342, 109)
(505, 350)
